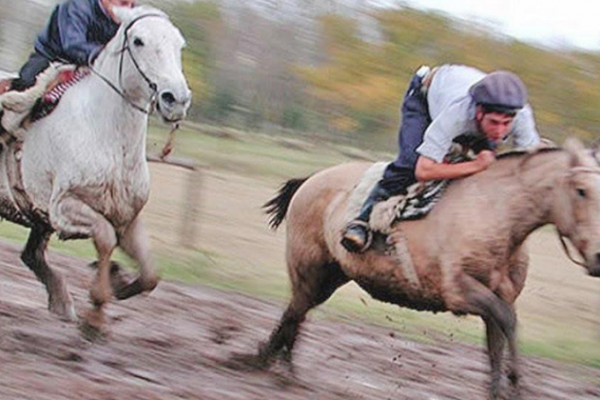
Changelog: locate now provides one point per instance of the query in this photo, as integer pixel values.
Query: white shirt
(452, 112)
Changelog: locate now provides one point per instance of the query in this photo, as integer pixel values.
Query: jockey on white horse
(81, 171)
(75, 33)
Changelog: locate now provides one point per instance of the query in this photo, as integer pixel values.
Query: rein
(168, 147)
(567, 251)
(588, 170)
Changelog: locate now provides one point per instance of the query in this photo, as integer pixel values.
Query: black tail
(277, 207)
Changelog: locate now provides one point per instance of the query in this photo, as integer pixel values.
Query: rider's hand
(485, 158)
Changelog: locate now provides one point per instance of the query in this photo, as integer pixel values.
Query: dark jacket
(76, 32)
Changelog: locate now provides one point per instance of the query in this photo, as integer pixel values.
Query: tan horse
(467, 256)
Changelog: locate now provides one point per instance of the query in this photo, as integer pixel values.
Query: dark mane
(519, 153)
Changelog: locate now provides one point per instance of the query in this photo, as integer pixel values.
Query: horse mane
(524, 157)
(520, 153)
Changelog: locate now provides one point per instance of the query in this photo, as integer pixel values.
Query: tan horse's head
(577, 211)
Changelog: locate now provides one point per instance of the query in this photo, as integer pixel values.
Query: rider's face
(109, 4)
(494, 125)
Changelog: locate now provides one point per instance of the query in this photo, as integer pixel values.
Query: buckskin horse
(82, 171)
(467, 256)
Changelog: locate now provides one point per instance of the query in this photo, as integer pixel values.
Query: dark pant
(29, 72)
(27, 76)
(400, 174)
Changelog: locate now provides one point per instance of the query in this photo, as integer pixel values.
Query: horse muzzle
(171, 107)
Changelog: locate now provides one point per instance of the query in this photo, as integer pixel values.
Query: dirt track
(175, 344)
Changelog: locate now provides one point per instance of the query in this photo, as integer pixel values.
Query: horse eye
(581, 193)
(137, 42)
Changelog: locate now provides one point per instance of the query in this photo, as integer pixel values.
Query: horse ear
(576, 148)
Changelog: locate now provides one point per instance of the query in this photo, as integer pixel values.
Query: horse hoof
(246, 362)
(92, 333)
(91, 326)
(65, 311)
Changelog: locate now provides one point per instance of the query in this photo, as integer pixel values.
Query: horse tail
(278, 206)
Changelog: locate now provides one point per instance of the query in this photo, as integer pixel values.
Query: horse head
(143, 61)
(577, 212)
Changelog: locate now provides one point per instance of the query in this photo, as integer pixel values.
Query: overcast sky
(551, 23)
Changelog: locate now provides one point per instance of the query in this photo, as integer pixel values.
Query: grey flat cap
(502, 90)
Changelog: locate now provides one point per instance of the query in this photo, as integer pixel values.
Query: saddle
(22, 108)
(419, 200)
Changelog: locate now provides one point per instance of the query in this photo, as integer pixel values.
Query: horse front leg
(464, 294)
(73, 218)
(136, 244)
(495, 346)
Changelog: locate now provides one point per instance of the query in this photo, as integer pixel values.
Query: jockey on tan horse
(440, 105)
(75, 34)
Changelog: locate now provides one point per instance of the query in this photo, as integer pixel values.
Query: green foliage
(293, 117)
(351, 84)
(198, 21)
(220, 105)
(359, 86)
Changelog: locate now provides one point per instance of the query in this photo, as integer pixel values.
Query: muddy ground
(177, 344)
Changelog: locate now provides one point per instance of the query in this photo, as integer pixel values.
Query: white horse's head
(144, 59)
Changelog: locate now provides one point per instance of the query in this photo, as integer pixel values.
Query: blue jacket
(76, 32)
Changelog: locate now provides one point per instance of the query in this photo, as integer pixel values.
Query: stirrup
(353, 246)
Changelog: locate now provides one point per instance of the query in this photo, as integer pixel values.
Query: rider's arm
(430, 170)
(437, 141)
(74, 19)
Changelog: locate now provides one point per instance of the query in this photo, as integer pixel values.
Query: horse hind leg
(310, 289)
(60, 301)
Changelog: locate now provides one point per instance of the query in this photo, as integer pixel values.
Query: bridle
(168, 147)
(561, 236)
(126, 48)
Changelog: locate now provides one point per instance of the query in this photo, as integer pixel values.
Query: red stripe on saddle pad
(66, 79)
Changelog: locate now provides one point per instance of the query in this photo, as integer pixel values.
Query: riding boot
(357, 236)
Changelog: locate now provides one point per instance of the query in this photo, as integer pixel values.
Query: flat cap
(500, 90)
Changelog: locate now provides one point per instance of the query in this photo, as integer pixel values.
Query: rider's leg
(399, 174)
(29, 72)
(27, 76)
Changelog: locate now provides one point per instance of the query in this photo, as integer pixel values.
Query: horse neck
(123, 125)
(531, 190)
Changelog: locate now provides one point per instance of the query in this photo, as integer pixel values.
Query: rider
(440, 105)
(75, 34)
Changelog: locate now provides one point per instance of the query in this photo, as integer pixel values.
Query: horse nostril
(168, 97)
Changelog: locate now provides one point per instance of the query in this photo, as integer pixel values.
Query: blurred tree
(200, 22)
(342, 66)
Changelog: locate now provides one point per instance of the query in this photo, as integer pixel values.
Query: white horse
(82, 170)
